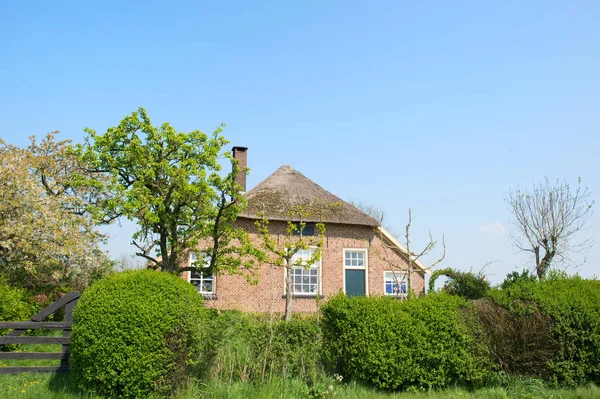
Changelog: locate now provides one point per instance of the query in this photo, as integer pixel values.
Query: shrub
(422, 342)
(519, 342)
(465, 284)
(241, 347)
(572, 306)
(16, 304)
(135, 333)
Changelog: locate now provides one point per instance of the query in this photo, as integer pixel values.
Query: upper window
(309, 229)
(395, 283)
(354, 258)
(305, 278)
(205, 284)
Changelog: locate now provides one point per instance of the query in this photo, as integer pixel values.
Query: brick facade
(234, 292)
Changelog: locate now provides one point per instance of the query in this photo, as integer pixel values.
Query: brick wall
(234, 292)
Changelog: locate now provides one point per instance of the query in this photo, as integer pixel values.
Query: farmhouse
(355, 258)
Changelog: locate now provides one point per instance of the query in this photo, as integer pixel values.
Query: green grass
(51, 386)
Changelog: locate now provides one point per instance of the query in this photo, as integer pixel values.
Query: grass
(54, 386)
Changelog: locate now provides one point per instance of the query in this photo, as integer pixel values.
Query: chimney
(241, 154)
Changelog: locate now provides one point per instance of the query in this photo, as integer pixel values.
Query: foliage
(572, 306)
(547, 219)
(47, 238)
(170, 184)
(240, 347)
(16, 304)
(516, 278)
(419, 343)
(136, 332)
(465, 284)
(279, 249)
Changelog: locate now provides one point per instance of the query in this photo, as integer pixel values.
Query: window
(395, 283)
(305, 279)
(309, 229)
(205, 284)
(354, 259)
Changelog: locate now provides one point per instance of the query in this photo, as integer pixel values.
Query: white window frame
(365, 266)
(399, 274)
(202, 278)
(319, 279)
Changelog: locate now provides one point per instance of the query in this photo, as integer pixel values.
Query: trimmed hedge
(423, 342)
(136, 333)
(572, 307)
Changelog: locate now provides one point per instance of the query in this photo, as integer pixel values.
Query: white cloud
(492, 228)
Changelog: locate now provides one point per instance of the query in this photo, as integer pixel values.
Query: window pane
(207, 286)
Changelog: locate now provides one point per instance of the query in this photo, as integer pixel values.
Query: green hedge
(572, 307)
(423, 342)
(136, 333)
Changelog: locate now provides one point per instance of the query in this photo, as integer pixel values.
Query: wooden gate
(14, 337)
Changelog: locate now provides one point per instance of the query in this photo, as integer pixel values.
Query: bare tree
(391, 244)
(412, 258)
(546, 220)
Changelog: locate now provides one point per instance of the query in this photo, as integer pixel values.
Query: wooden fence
(36, 322)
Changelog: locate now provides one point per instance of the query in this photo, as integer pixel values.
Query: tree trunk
(289, 288)
(542, 267)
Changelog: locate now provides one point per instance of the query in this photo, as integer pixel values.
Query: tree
(170, 184)
(48, 242)
(412, 258)
(279, 249)
(547, 219)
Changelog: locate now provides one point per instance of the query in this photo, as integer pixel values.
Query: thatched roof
(287, 188)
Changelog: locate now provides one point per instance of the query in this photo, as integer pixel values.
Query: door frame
(365, 267)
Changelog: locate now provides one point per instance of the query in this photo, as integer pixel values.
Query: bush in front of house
(245, 347)
(568, 352)
(419, 343)
(136, 333)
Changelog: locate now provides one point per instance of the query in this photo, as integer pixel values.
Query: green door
(355, 282)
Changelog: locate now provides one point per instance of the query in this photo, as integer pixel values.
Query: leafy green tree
(170, 183)
(48, 242)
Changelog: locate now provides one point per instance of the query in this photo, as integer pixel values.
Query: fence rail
(20, 327)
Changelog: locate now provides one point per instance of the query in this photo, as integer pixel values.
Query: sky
(442, 107)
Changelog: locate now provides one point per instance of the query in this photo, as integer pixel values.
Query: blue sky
(435, 105)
